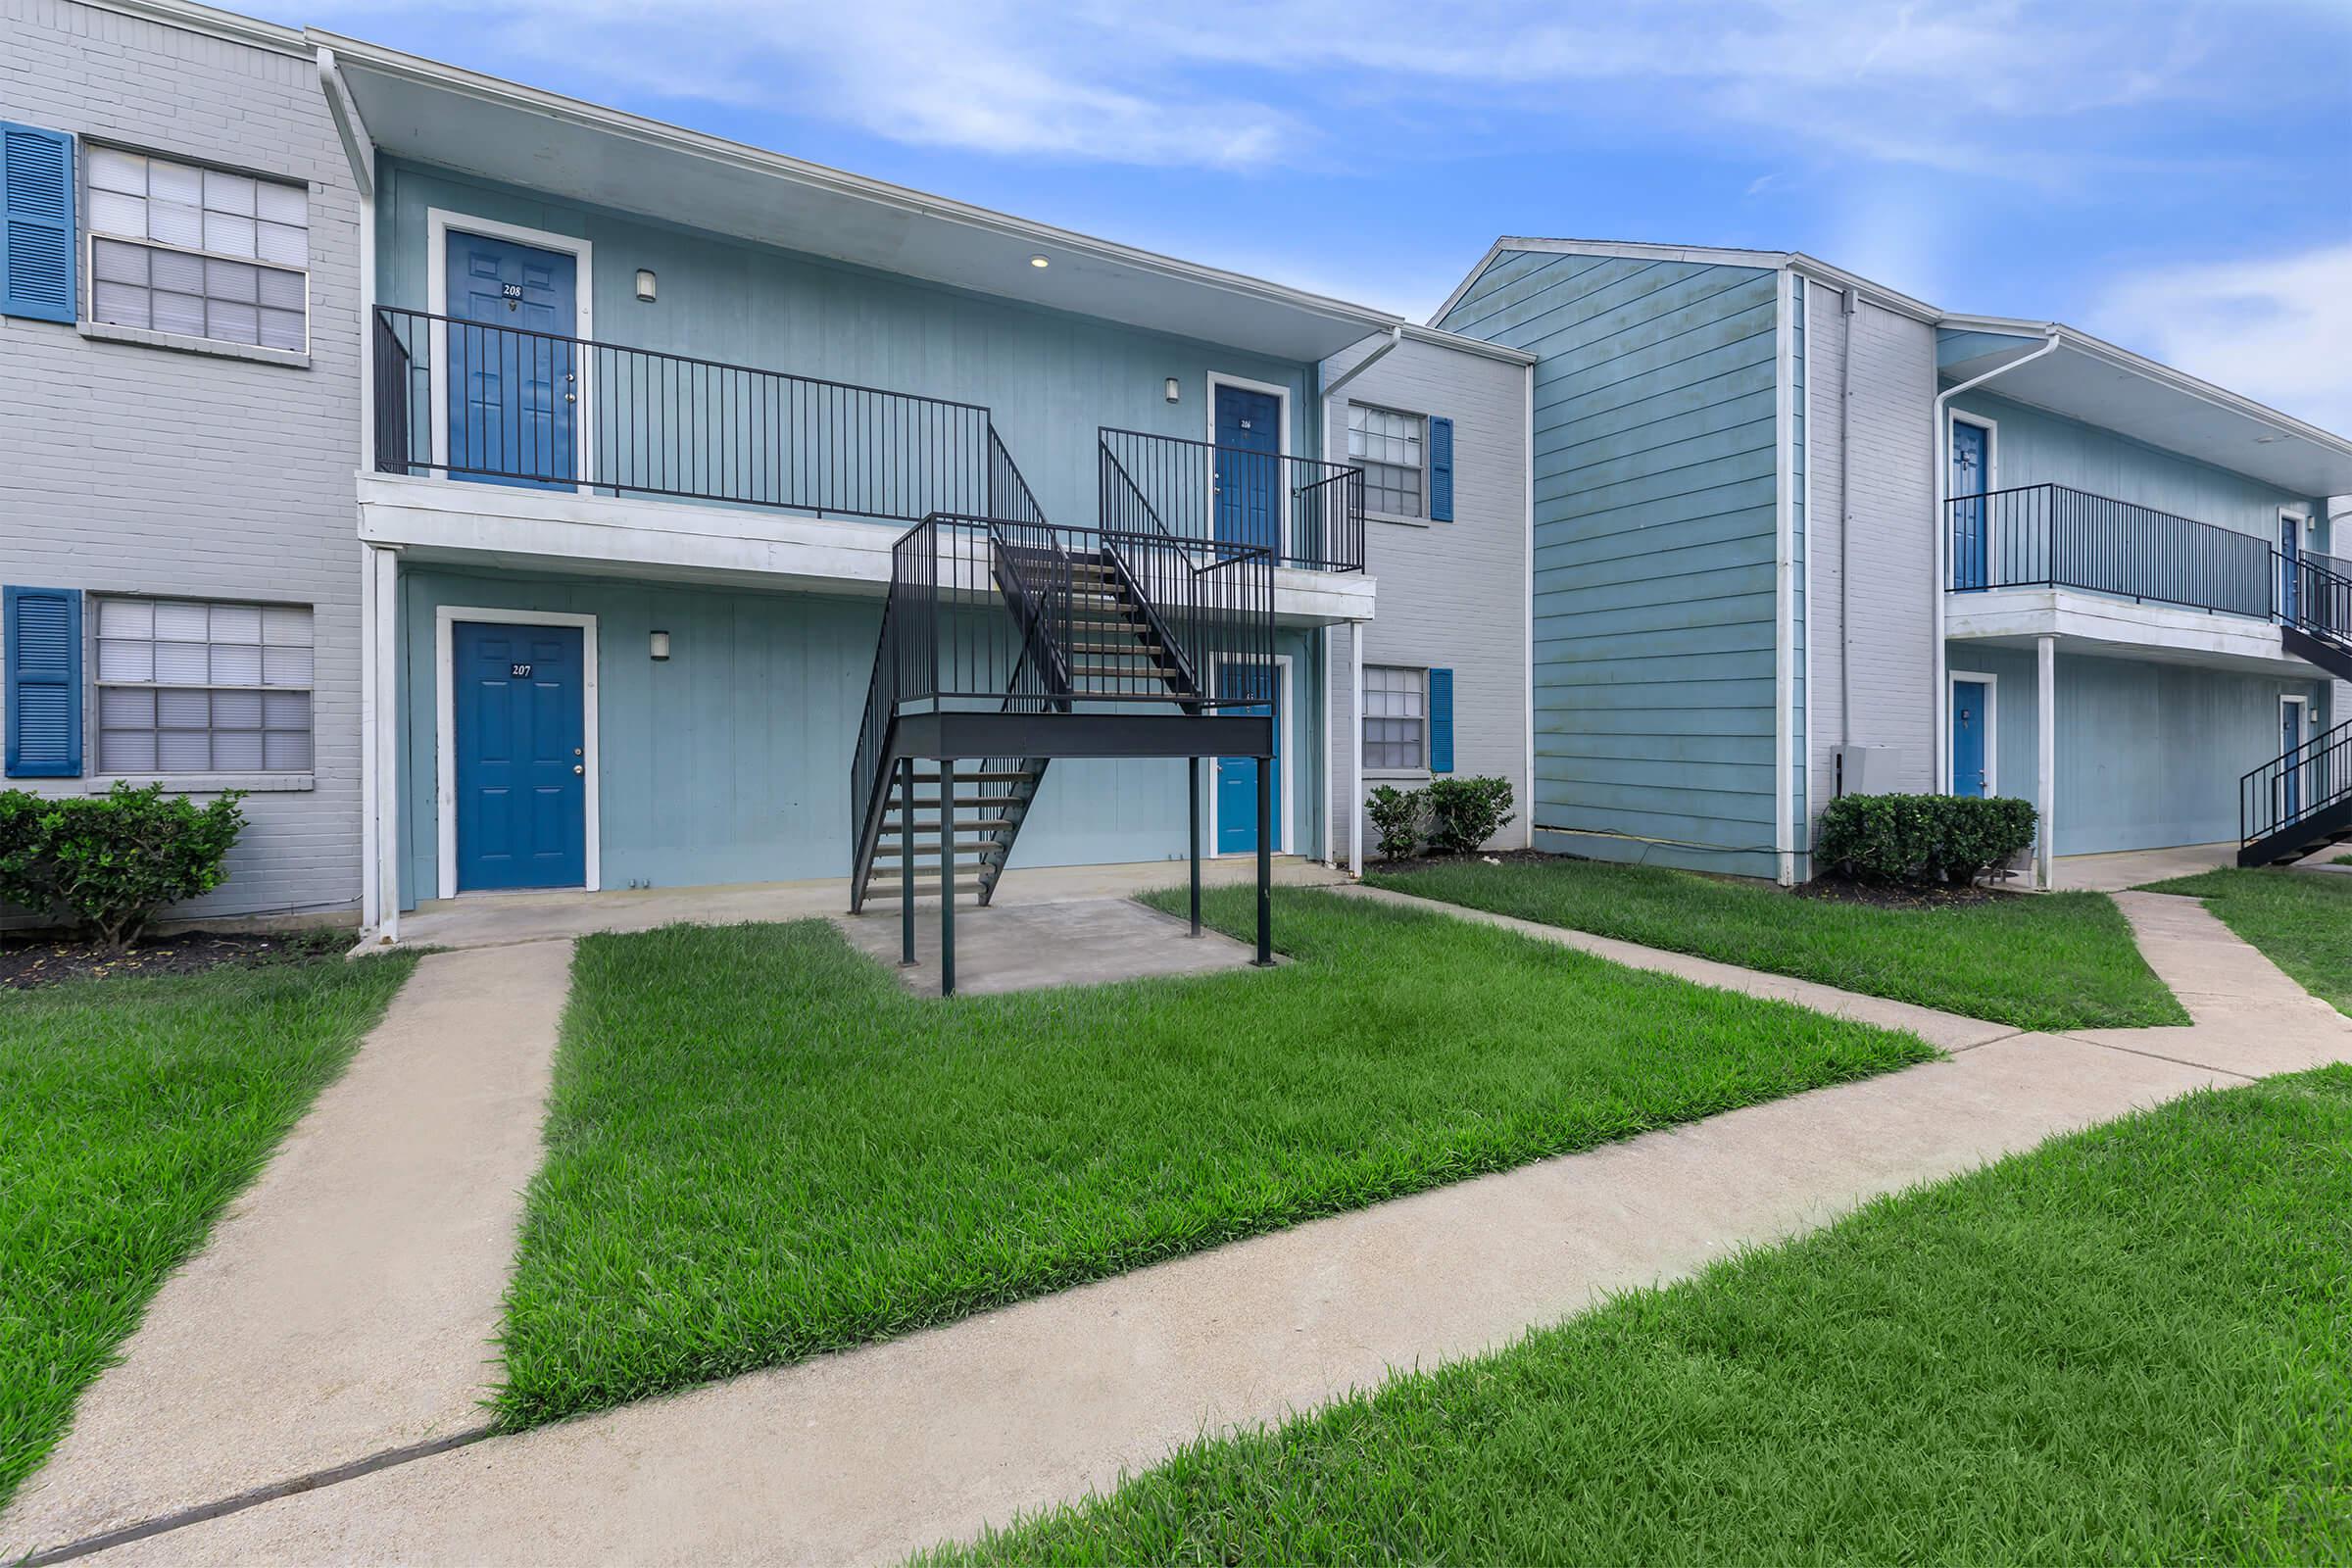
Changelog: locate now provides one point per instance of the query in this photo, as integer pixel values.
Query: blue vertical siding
(730, 761)
(1655, 500)
(2149, 755)
(1049, 377)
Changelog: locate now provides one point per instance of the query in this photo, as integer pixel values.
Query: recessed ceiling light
(2265, 440)
(1039, 261)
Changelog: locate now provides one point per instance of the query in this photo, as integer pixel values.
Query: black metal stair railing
(2313, 596)
(1307, 513)
(2295, 786)
(2054, 536)
(988, 615)
(508, 404)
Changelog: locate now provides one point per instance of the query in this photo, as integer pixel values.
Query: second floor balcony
(491, 404)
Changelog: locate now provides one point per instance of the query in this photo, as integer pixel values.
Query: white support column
(2045, 755)
(371, 909)
(386, 819)
(1355, 751)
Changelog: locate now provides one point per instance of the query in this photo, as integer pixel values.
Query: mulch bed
(28, 961)
(1883, 897)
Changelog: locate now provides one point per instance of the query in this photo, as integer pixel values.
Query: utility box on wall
(1878, 770)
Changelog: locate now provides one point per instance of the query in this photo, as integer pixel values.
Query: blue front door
(522, 772)
(1237, 776)
(2290, 736)
(2291, 551)
(514, 365)
(1248, 481)
(1971, 463)
(1972, 700)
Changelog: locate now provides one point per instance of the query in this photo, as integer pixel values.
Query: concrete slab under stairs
(1079, 941)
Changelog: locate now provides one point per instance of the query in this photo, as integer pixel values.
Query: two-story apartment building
(678, 508)
(1798, 535)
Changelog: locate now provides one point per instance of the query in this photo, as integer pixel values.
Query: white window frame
(445, 732)
(1992, 730)
(438, 221)
(1421, 518)
(1419, 769)
(1284, 834)
(91, 234)
(99, 778)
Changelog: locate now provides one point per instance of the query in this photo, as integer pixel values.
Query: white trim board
(438, 221)
(1992, 731)
(445, 730)
(1284, 834)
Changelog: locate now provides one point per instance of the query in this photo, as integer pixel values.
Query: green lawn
(760, 1147)
(2061, 961)
(130, 1112)
(2302, 920)
(2126, 1347)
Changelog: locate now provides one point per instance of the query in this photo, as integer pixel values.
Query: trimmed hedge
(111, 860)
(1921, 839)
(1455, 814)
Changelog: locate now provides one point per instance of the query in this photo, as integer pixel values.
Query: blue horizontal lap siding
(1657, 500)
(1049, 377)
(730, 761)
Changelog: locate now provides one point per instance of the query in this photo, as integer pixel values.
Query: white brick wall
(1452, 594)
(1891, 537)
(126, 468)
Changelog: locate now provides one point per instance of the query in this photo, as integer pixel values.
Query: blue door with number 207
(521, 764)
(1237, 776)
(1249, 425)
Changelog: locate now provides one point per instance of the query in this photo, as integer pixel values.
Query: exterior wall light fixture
(644, 284)
(661, 641)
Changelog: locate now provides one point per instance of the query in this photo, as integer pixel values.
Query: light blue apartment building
(1798, 535)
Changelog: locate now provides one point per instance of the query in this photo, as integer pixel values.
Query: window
(198, 252)
(1396, 717)
(191, 687)
(1388, 445)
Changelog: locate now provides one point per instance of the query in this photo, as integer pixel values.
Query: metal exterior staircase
(2314, 611)
(2298, 803)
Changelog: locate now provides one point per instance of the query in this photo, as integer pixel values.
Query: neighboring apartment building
(647, 427)
(1438, 425)
(179, 419)
(1798, 535)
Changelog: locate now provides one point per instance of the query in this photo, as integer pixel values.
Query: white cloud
(1950, 85)
(2278, 329)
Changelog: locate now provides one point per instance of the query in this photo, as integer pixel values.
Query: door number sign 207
(519, 671)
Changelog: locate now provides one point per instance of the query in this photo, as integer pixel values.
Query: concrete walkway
(867, 1455)
(345, 1305)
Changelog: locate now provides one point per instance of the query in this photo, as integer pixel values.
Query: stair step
(962, 777)
(1140, 647)
(931, 805)
(930, 835)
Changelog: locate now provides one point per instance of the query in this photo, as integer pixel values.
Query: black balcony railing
(504, 405)
(2052, 537)
(1308, 513)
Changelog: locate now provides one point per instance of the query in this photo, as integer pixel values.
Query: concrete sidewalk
(867, 1455)
(345, 1305)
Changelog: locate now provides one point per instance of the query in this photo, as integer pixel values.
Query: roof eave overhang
(1138, 287)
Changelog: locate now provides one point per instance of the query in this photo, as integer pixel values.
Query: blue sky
(2176, 176)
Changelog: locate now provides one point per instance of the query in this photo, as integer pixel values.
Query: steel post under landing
(1192, 769)
(947, 876)
(1265, 861)
(906, 862)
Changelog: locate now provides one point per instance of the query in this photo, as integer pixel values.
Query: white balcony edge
(2096, 623)
(559, 530)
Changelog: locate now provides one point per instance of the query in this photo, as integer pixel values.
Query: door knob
(578, 768)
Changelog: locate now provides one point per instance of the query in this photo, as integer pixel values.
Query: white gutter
(1941, 741)
(1332, 390)
(1355, 632)
(347, 128)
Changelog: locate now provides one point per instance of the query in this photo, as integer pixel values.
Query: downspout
(1846, 524)
(1941, 741)
(1355, 639)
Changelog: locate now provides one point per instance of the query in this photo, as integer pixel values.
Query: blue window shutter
(41, 630)
(1440, 469)
(36, 223)
(1441, 722)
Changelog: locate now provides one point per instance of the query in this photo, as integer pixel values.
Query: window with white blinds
(1396, 717)
(1388, 445)
(200, 251)
(188, 686)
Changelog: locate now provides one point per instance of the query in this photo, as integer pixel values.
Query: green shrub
(1921, 839)
(111, 860)
(1397, 817)
(1465, 812)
